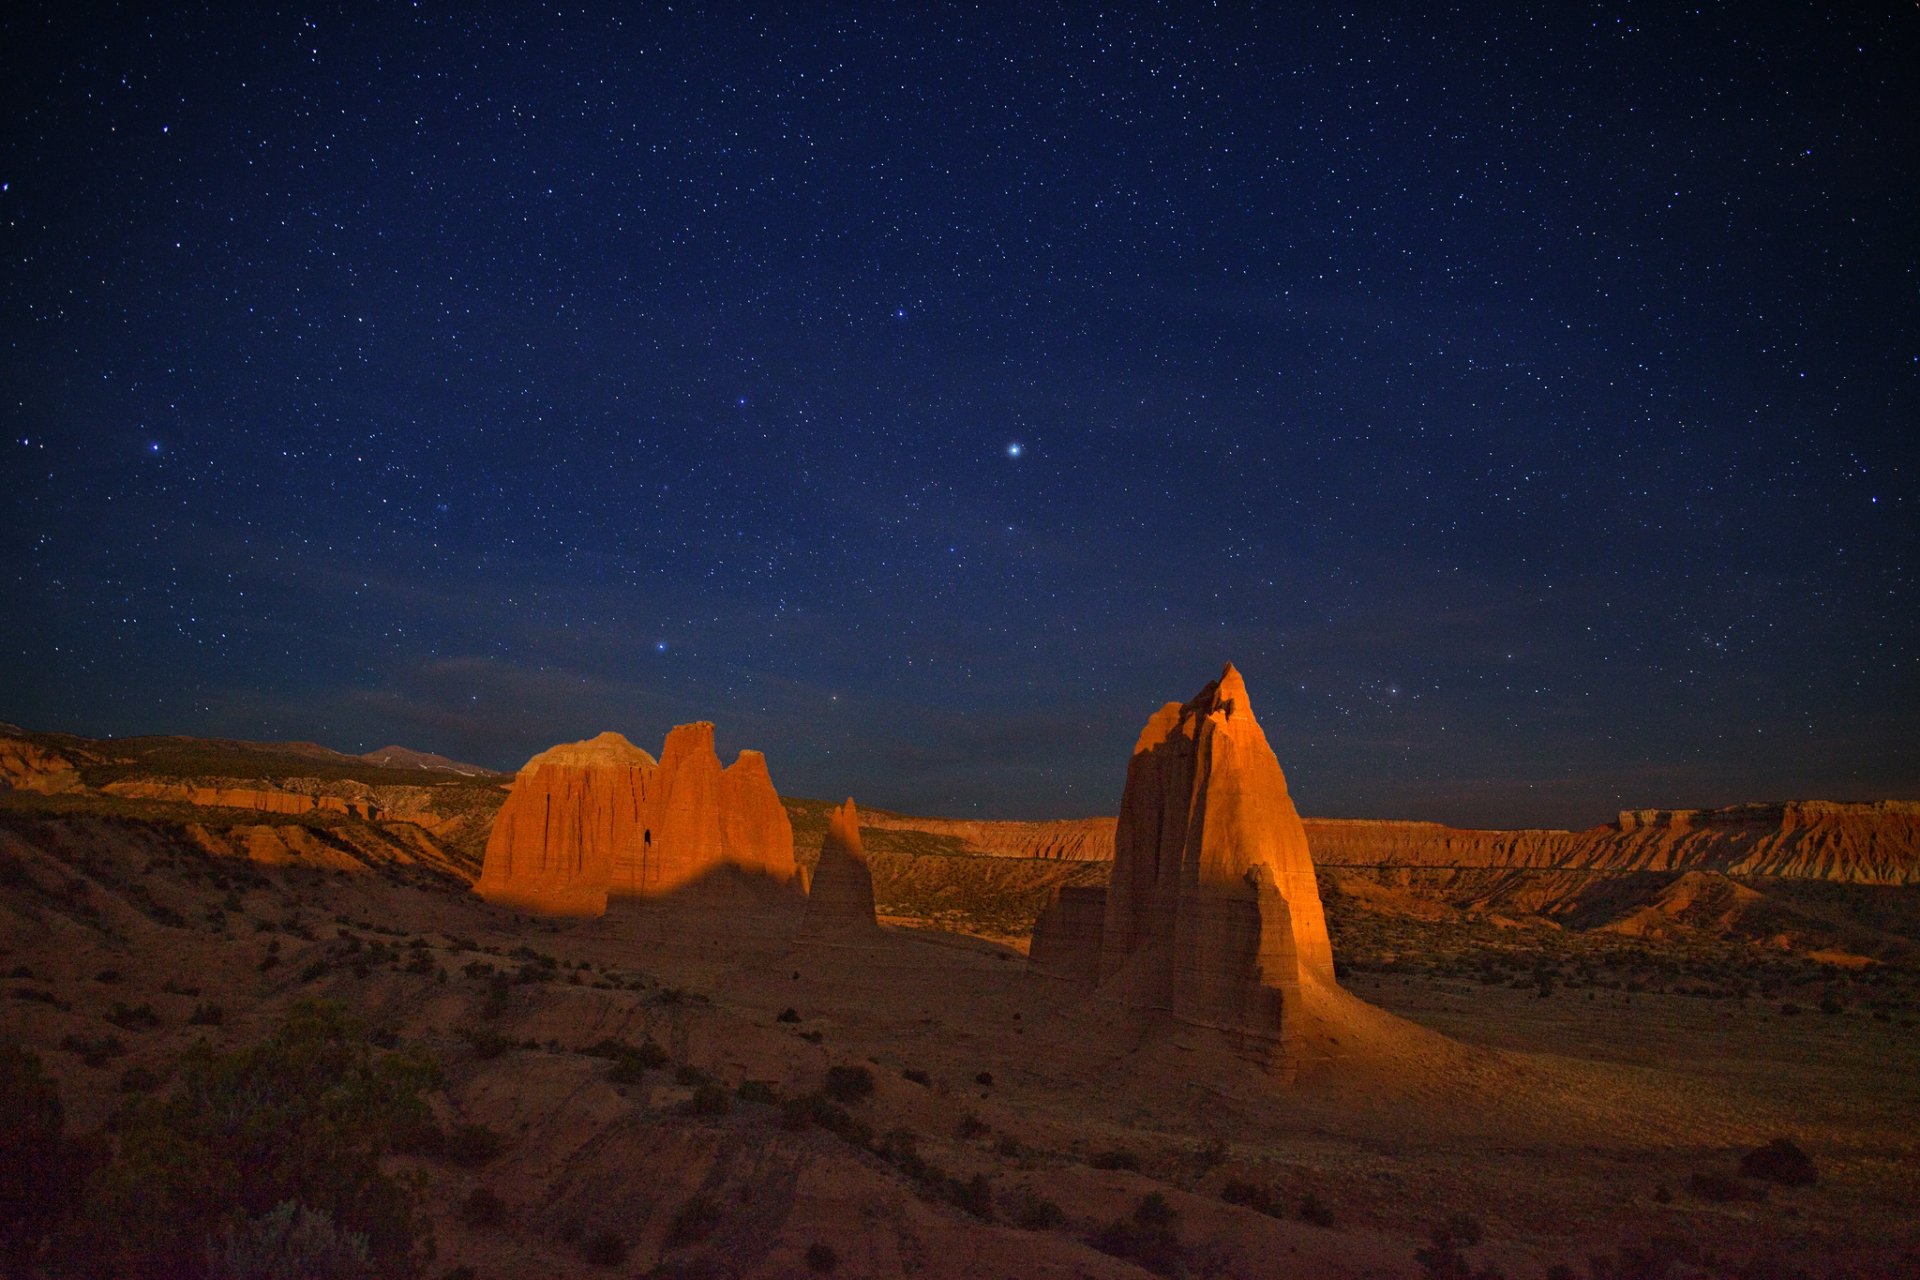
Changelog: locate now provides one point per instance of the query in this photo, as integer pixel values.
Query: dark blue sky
(1524, 400)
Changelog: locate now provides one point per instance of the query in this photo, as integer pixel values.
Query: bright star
(1015, 449)
(660, 645)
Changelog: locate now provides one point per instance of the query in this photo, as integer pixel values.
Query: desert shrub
(1035, 1213)
(813, 1037)
(709, 1099)
(1444, 1256)
(486, 1043)
(1147, 1236)
(290, 1242)
(1116, 1159)
(133, 1017)
(1008, 1146)
(848, 1084)
(697, 1219)
(482, 1208)
(139, 1080)
(975, 1195)
(469, 1145)
(35, 1169)
(916, 1076)
(499, 990)
(207, 1015)
(630, 1062)
(759, 1091)
(300, 1119)
(822, 1258)
(819, 1110)
(95, 1051)
(605, 1249)
(1253, 1195)
(1718, 1188)
(972, 1126)
(788, 1015)
(1781, 1161)
(984, 1077)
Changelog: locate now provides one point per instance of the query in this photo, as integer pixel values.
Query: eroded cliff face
(591, 819)
(1877, 843)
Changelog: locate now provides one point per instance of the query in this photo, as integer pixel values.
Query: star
(1015, 449)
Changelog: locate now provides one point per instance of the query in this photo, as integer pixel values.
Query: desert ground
(685, 1086)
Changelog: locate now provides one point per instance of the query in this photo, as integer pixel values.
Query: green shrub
(300, 1119)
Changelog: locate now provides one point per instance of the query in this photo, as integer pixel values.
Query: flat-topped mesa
(840, 898)
(573, 813)
(586, 820)
(1213, 913)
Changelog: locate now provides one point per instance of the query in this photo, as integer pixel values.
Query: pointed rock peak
(1230, 693)
(606, 749)
(843, 827)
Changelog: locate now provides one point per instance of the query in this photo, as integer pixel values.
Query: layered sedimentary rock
(601, 817)
(1213, 914)
(840, 897)
(1856, 843)
(1066, 937)
(1877, 843)
(261, 799)
(1064, 839)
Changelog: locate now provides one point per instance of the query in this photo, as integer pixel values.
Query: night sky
(1525, 401)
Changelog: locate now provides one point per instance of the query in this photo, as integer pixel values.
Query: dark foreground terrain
(251, 1043)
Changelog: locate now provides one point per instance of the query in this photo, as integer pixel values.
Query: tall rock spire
(840, 899)
(1214, 912)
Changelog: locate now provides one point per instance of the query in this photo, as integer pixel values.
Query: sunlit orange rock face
(840, 899)
(1213, 913)
(589, 819)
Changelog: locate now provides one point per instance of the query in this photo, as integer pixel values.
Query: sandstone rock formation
(840, 898)
(594, 818)
(1213, 914)
(575, 811)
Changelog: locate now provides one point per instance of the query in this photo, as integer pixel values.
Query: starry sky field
(1527, 400)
